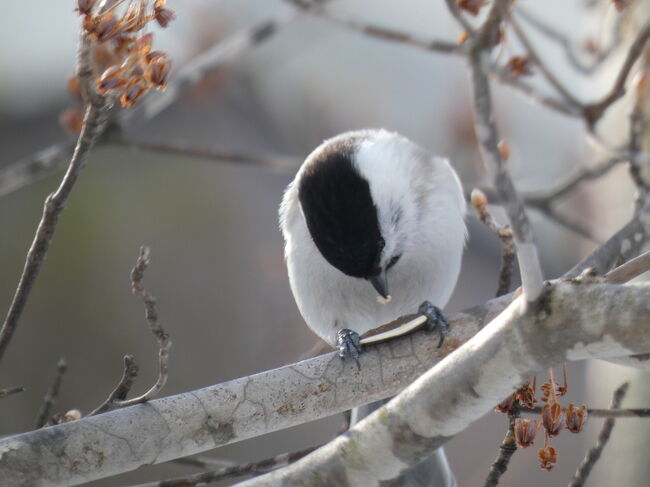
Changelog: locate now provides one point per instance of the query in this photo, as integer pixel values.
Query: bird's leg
(349, 344)
(435, 320)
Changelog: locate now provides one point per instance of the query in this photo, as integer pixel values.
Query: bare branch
(53, 392)
(276, 163)
(94, 119)
(486, 133)
(569, 46)
(232, 472)
(11, 390)
(122, 389)
(586, 321)
(539, 62)
(504, 234)
(594, 453)
(117, 398)
(381, 33)
(452, 6)
(594, 111)
(507, 448)
(444, 400)
(629, 270)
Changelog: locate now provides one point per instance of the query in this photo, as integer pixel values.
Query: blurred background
(217, 266)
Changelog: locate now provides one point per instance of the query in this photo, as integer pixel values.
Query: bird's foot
(436, 320)
(349, 344)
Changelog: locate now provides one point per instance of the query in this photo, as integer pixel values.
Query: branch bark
(574, 322)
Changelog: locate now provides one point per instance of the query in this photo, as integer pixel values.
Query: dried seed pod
(576, 418)
(163, 15)
(526, 395)
(135, 88)
(547, 457)
(508, 403)
(111, 79)
(525, 431)
(552, 416)
(84, 7)
(157, 71)
(135, 17)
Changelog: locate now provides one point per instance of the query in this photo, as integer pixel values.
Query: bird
(374, 229)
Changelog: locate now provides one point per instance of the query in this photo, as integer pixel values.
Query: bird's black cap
(339, 210)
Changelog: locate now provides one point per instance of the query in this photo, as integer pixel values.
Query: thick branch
(570, 323)
(521, 341)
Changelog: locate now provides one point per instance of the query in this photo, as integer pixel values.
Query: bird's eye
(393, 261)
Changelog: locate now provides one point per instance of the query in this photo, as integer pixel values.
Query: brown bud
(164, 16)
(135, 88)
(479, 200)
(111, 79)
(520, 65)
(72, 415)
(621, 4)
(471, 6)
(504, 149)
(84, 7)
(525, 431)
(157, 71)
(547, 457)
(576, 417)
(552, 416)
(72, 120)
(73, 86)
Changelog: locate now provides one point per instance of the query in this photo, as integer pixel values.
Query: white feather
(421, 208)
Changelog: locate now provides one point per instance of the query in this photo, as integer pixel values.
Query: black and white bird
(373, 227)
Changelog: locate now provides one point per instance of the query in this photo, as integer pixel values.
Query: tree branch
(569, 323)
(53, 392)
(486, 132)
(192, 422)
(594, 453)
(94, 119)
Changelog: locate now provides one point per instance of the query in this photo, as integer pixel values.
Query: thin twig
(117, 398)
(539, 62)
(275, 163)
(486, 132)
(594, 453)
(94, 119)
(204, 462)
(53, 392)
(11, 390)
(604, 412)
(507, 448)
(252, 468)
(378, 32)
(594, 111)
(452, 5)
(567, 45)
(503, 232)
(122, 389)
(629, 270)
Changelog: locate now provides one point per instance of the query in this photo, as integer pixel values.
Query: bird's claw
(349, 344)
(436, 320)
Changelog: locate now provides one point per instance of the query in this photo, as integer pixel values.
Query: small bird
(374, 230)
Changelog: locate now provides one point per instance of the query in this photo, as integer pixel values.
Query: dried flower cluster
(125, 63)
(553, 417)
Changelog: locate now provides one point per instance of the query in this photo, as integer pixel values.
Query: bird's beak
(380, 285)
